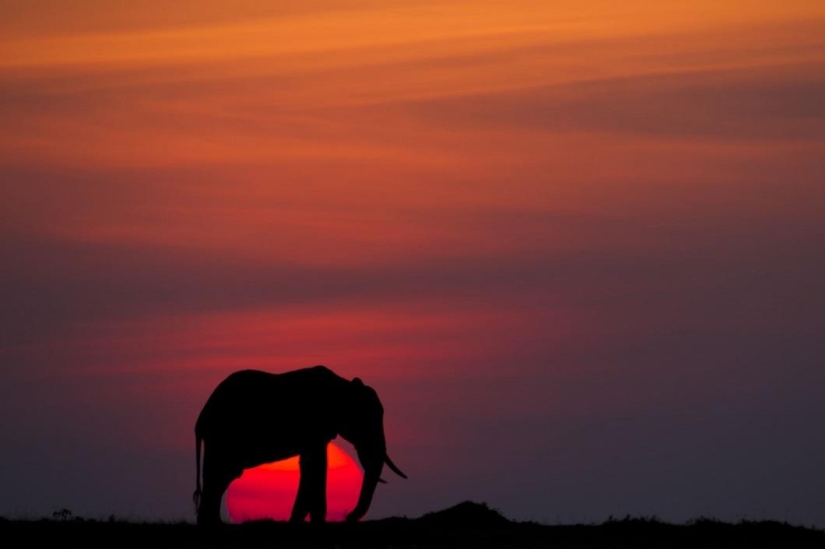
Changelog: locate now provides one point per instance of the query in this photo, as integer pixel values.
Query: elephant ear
(364, 394)
(364, 399)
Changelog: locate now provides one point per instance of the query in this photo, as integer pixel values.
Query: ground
(468, 524)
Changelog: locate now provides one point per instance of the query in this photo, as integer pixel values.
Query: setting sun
(268, 491)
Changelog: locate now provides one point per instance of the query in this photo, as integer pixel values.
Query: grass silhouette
(467, 524)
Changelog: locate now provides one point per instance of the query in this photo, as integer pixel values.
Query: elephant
(254, 417)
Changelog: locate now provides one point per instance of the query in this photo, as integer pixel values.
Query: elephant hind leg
(218, 473)
(209, 511)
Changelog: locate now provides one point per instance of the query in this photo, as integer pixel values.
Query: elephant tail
(196, 497)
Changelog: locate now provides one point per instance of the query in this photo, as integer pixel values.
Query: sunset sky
(578, 248)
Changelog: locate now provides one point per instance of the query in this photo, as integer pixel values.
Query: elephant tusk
(392, 466)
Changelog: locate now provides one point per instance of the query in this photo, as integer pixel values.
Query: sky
(576, 247)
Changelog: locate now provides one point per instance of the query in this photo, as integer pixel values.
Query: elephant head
(362, 425)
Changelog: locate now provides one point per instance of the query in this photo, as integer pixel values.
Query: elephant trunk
(365, 498)
(372, 460)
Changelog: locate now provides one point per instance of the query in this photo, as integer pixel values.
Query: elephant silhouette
(255, 417)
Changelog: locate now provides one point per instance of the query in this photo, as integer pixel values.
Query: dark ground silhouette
(468, 524)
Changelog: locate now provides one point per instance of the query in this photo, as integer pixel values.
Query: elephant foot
(209, 515)
(206, 519)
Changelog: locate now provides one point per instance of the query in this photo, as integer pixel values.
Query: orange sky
(580, 219)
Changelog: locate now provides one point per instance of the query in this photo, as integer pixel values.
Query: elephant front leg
(312, 487)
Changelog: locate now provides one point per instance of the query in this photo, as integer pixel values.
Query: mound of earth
(466, 513)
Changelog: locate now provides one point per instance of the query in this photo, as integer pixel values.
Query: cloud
(779, 103)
